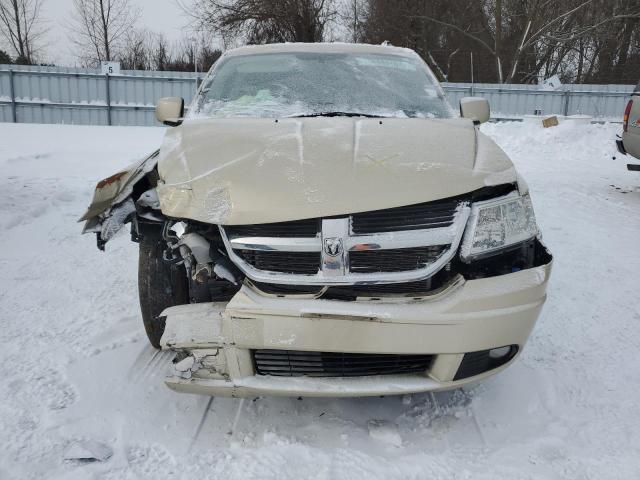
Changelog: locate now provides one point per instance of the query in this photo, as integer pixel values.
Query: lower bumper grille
(394, 289)
(291, 363)
(352, 292)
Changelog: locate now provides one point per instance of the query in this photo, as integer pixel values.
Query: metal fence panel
(5, 112)
(85, 96)
(603, 102)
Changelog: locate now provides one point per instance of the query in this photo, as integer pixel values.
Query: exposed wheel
(160, 285)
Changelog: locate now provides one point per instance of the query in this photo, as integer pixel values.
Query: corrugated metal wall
(604, 102)
(85, 96)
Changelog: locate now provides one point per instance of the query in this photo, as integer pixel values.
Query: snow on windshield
(290, 84)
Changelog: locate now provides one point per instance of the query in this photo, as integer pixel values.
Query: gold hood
(259, 170)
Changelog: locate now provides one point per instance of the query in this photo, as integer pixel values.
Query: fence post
(14, 112)
(567, 93)
(106, 77)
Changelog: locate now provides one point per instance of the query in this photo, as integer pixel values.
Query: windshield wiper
(337, 114)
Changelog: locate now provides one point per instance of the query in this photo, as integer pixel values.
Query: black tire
(160, 285)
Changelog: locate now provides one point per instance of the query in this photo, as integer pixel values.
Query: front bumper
(215, 340)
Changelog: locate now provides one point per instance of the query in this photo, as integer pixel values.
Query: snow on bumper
(214, 340)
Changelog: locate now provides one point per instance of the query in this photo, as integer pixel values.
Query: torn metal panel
(117, 187)
(194, 331)
(112, 207)
(197, 325)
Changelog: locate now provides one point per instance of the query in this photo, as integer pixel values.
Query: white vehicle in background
(630, 142)
(321, 223)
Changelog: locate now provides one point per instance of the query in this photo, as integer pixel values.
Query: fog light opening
(500, 352)
(475, 363)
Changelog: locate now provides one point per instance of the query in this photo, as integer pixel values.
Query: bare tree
(99, 28)
(136, 51)
(197, 50)
(259, 21)
(22, 27)
(352, 15)
(145, 50)
(400, 23)
(160, 54)
(513, 40)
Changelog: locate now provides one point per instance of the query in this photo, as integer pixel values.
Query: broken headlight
(498, 224)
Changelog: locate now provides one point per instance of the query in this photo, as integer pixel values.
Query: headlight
(497, 224)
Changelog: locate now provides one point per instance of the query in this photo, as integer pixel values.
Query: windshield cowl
(337, 114)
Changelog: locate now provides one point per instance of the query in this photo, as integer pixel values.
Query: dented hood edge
(245, 171)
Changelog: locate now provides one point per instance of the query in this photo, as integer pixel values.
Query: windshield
(307, 84)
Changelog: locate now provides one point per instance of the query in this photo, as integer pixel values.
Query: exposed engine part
(197, 245)
(194, 249)
(225, 269)
(171, 233)
(210, 275)
(168, 233)
(203, 261)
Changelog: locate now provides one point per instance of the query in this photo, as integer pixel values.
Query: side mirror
(475, 108)
(170, 110)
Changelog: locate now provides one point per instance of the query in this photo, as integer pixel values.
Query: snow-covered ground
(75, 364)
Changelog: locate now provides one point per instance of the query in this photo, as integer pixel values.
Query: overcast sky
(157, 15)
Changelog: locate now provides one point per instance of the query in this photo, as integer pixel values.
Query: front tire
(160, 285)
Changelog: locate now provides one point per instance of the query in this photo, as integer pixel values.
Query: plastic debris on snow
(88, 450)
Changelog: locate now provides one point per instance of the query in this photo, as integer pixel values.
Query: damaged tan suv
(321, 223)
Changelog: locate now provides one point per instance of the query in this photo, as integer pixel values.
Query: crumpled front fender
(112, 205)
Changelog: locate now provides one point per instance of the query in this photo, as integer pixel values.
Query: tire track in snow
(148, 363)
(205, 414)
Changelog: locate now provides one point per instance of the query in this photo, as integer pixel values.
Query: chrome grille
(394, 260)
(295, 229)
(292, 363)
(413, 217)
(303, 263)
(404, 244)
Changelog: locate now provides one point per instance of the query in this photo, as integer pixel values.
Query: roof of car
(334, 47)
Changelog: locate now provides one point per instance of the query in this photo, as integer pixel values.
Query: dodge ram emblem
(333, 246)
